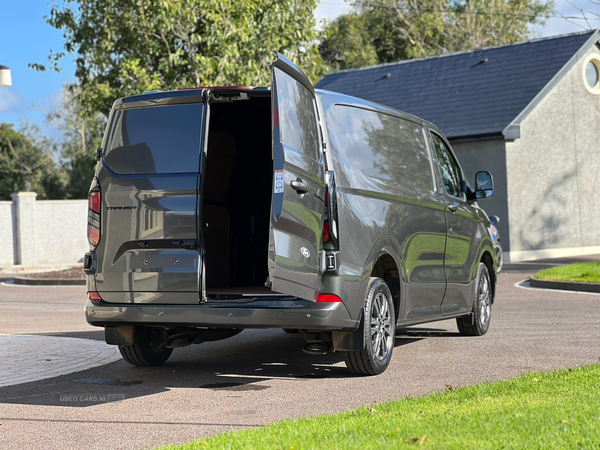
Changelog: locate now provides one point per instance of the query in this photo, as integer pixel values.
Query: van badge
(120, 208)
(305, 252)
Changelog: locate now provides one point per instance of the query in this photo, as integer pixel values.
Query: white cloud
(10, 101)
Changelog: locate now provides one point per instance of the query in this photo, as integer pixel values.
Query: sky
(25, 38)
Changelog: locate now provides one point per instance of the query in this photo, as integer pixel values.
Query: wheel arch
(384, 262)
(488, 260)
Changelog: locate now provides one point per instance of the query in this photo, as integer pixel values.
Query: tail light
(216, 87)
(329, 298)
(326, 236)
(94, 297)
(94, 203)
(94, 207)
(330, 225)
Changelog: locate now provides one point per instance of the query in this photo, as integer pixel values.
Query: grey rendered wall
(490, 156)
(553, 172)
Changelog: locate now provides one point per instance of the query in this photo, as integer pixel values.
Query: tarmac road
(261, 376)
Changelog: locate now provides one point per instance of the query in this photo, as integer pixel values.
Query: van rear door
(148, 250)
(298, 202)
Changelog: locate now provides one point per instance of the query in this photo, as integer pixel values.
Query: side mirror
(484, 185)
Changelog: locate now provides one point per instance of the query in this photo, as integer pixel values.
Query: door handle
(453, 208)
(299, 187)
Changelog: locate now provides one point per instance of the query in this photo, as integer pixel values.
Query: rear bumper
(300, 314)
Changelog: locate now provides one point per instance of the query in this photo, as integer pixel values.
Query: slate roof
(472, 94)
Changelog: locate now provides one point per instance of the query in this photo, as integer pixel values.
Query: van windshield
(158, 139)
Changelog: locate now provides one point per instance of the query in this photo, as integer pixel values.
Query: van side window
(163, 139)
(383, 146)
(448, 166)
(297, 116)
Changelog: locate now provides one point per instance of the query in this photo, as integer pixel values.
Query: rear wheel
(148, 349)
(479, 323)
(379, 329)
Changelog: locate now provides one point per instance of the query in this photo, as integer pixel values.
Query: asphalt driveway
(263, 376)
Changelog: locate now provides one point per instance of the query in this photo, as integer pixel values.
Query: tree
(24, 166)
(404, 29)
(348, 43)
(81, 136)
(125, 47)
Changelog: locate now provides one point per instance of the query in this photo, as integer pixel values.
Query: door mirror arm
(470, 193)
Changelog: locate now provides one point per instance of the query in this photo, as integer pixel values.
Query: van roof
(195, 95)
(189, 95)
(343, 99)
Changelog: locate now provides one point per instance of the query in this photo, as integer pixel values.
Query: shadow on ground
(237, 364)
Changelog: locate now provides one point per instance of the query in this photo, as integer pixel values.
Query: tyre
(478, 323)
(379, 329)
(148, 348)
(499, 257)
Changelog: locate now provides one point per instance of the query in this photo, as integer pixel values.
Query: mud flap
(469, 319)
(346, 341)
(121, 335)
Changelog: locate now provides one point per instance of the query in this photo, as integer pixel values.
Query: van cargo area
(236, 198)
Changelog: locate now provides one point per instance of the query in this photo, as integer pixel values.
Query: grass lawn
(555, 410)
(581, 272)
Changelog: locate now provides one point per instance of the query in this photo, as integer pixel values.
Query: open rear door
(298, 204)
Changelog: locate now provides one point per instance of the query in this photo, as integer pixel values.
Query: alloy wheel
(484, 296)
(381, 327)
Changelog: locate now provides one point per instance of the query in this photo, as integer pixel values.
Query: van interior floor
(237, 196)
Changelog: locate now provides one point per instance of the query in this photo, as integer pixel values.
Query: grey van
(213, 210)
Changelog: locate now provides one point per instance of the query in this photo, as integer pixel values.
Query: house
(529, 113)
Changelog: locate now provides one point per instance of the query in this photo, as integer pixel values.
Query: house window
(591, 73)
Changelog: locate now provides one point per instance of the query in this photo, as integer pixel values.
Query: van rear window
(158, 139)
(383, 146)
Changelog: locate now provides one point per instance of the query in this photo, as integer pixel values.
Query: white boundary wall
(7, 255)
(42, 232)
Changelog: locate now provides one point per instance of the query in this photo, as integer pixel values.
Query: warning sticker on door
(279, 181)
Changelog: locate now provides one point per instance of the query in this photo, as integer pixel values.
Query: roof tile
(459, 93)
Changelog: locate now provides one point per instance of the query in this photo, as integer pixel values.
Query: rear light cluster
(94, 297)
(326, 236)
(330, 235)
(93, 229)
(328, 298)
(216, 87)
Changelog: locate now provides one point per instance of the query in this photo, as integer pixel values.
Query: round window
(591, 73)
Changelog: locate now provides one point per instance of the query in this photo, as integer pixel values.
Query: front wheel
(479, 322)
(148, 349)
(379, 329)
(499, 256)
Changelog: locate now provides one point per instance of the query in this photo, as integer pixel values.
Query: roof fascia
(513, 130)
(476, 137)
